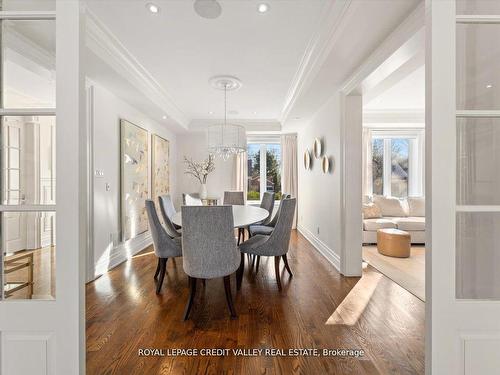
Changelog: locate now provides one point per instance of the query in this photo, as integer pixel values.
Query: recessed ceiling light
(254, 112)
(209, 9)
(153, 8)
(263, 8)
(489, 86)
(164, 117)
(211, 113)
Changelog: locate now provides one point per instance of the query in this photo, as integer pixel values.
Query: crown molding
(101, 41)
(250, 125)
(394, 116)
(317, 50)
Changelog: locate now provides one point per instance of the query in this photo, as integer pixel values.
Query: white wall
(319, 194)
(108, 109)
(194, 145)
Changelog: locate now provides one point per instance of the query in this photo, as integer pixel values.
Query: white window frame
(263, 141)
(416, 158)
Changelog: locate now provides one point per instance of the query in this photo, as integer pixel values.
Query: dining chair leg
(239, 272)
(286, 265)
(277, 270)
(163, 268)
(204, 281)
(157, 272)
(192, 293)
(229, 297)
(258, 262)
(253, 259)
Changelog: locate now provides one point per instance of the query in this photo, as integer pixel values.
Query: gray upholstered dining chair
(165, 247)
(167, 211)
(209, 249)
(234, 198)
(267, 203)
(191, 199)
(269, 227)
(275, 245)
(255, 229)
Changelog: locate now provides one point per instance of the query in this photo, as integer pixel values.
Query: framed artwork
(134, 179)
(160, 183)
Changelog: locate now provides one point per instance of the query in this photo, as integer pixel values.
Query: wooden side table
(16, 263)
(394, 243)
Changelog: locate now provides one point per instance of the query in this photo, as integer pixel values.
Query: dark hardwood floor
(318, 308)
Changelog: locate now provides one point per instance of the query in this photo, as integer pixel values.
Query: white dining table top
(242, 215)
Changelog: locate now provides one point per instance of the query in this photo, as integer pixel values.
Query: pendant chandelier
(226, 139)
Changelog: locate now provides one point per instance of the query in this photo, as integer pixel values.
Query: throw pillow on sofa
(416, 206)
(371, 211)
(391, 206)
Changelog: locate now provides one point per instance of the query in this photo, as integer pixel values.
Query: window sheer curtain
(289, 167)
(240, 173)
(367, 164)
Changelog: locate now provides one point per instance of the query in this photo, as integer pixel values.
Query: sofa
(407, 214)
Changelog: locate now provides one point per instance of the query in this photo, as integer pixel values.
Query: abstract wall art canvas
(134, 179)
(161, 167)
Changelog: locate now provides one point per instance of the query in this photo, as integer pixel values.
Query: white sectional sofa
(407, 214)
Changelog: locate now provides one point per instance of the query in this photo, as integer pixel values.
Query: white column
(352, 195)
(70, 96)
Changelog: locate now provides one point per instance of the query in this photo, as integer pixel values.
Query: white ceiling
(408, 93)
(364, 26)
(182, 50)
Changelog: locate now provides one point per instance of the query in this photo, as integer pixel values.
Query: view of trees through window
(399, 167)
(378, 166)
(270, 171)
(399, 164)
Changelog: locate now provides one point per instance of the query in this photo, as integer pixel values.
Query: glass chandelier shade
(226, 139)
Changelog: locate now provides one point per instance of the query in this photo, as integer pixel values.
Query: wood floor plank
(124, 314)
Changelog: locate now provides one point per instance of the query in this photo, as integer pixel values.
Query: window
(264, 169)
(28, 155)
(397, 163)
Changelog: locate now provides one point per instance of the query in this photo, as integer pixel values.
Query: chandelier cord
(225, 104)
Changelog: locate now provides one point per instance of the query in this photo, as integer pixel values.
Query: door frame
(351, 139)
(59, 325)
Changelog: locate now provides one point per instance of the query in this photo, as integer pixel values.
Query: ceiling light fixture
(164, 117)
(263, 8)
(489, 86)
(207, 8)
(226, 139)
(153, 8)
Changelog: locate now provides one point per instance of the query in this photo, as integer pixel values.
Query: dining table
(243, 216)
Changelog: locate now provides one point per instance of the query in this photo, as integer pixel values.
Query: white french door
(42, 174)
(463, 176)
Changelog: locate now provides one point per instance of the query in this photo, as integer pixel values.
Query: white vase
(203, 191)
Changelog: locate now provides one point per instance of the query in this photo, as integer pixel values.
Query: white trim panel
(18, 346)
(322, 248)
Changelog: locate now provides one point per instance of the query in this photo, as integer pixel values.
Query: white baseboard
(322, 248)
(122, 253)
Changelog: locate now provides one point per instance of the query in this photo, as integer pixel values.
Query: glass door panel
(478, 81)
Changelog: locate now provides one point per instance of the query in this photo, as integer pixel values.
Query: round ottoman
(393, 242)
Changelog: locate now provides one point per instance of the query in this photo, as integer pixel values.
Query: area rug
(409, 273)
